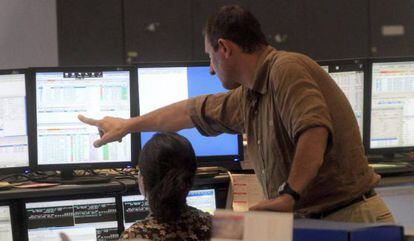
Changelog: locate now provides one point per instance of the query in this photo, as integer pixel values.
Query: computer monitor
(136, 208)
(14, 150)
(93, 219)
(349, 75)
(61, 94)
(391, 115)
(163, 84)
(6, 232)
(203, 199)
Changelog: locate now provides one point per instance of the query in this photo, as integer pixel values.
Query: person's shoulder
(199, 217)
(196, 213)
(201, 223)
(140, 229)
(291, 64)
(291, 58)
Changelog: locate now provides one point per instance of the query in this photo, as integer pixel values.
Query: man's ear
(225, 47)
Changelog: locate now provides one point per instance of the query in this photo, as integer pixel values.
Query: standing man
(303, 137)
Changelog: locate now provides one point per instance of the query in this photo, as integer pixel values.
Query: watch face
(281, 188)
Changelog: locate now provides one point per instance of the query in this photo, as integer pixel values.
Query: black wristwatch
(286, 189)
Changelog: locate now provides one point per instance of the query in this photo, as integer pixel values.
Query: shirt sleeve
(218, 113)
(300, 101)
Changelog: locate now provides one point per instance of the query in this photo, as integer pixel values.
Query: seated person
(167, 165)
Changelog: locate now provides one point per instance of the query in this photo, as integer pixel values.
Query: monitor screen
(5, 224)
(392, 105)
(205, 200)
(350, 79)
(14, 151)
(135, 207)
(80, 219)
(180, 83)
(61, 96)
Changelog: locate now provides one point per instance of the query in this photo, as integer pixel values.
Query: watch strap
(285, 188)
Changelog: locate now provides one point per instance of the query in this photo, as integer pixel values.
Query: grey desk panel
(64, 190)
(112, 187)
(400, 180)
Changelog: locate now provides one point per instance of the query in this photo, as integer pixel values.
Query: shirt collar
(262, 71)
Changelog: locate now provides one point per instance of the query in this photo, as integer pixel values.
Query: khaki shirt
(291, 94)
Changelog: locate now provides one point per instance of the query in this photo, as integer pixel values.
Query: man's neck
(248, 66)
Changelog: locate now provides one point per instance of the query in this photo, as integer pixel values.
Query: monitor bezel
(381, 150)
(81, 166)
(227, 161)
(366, 100)
(29, 118)
(25, 227)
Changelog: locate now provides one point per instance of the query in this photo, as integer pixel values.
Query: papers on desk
(252, 226)
(36, 185)
(244, 192)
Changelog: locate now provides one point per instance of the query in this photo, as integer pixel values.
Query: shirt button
(263, 172)
(258, 142)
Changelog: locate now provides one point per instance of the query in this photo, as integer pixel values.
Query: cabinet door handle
(280, 38)
(131, 56)
(152, 27)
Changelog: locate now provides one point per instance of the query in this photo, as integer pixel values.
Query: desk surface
(65, 190)
(407, 179)
(130, 185)
(102, 188)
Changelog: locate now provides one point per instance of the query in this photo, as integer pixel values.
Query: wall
(28, 33)
(400, 200)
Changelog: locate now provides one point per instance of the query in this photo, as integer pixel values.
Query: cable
(15, 177)
(124, 186)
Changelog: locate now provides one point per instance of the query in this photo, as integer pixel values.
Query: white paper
(252, 226)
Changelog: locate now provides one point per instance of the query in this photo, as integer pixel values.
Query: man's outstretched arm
(173, 117)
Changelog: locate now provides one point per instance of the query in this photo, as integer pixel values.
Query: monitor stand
(67, 177)
(388, 157)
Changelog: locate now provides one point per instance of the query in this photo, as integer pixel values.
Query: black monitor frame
(29, 119)
(67, 168)
(344, 64)
(24, 227)
(386, 151)
(226, 161)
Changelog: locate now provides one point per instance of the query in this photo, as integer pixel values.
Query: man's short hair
(237, 24)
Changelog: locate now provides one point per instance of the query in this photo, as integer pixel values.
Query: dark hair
(237, 24)
(167, 164)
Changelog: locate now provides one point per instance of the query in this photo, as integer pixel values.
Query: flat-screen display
(61, 96)
(161, 86)
(14, 150)
(136, 208)
(80, 219)
(349, 76)
(392, 105)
